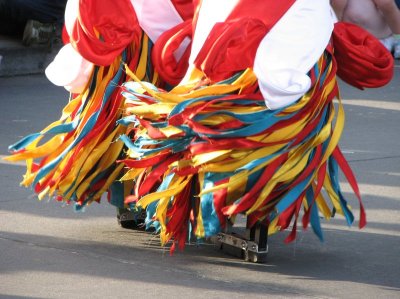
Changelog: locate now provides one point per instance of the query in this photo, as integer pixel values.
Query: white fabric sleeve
(69, 69)
(156, 16)
(289, 51)
(71, 14)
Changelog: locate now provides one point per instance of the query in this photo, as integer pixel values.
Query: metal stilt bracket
(252, 248)
(130, 219)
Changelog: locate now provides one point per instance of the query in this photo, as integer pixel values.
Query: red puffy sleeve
(104, 28)
(361, 58)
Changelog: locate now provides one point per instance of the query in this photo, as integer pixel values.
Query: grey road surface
(49, 251)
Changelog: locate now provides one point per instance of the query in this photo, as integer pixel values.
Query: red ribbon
(337, 154)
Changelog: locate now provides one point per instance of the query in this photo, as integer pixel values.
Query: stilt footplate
(252, 248)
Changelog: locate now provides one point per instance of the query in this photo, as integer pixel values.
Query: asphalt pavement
(49, 251)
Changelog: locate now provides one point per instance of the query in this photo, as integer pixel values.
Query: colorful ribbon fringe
(197, 155)
(203, 153)
(78, 160)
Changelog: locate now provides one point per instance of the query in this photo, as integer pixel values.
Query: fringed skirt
(202, 153)
(195, 156)
(74, 158)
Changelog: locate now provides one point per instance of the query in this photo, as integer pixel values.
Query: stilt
(253, 247)
(130, 219)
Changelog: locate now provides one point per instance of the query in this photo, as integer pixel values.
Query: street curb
(20, 60)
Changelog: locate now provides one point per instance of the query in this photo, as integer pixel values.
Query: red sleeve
(104, 28)
(171, 70)
(185, 8)
(361, 58)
